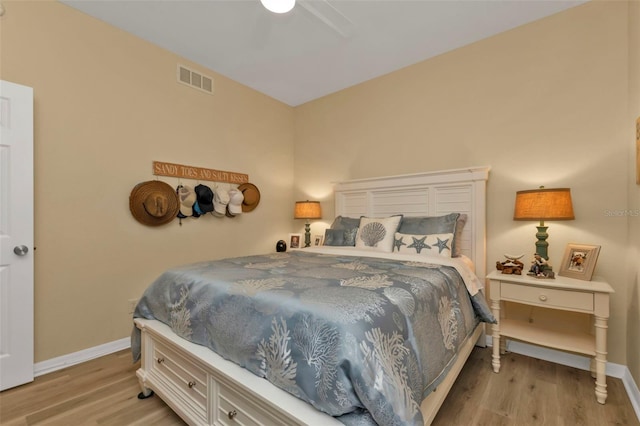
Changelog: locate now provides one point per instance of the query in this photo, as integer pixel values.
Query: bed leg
(146, 393)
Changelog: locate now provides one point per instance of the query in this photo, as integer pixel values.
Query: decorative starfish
(442, 245)
(418, 244)
(397, 243)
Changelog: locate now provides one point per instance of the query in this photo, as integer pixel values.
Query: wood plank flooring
(526, 392)
(529, 391)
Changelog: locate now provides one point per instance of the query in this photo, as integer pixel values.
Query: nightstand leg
(495, 334)
(601, 359)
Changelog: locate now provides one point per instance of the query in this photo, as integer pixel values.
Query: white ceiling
(321, 46)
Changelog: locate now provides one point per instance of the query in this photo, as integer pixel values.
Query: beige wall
(633, 292)
(106, 105)
(543, 104)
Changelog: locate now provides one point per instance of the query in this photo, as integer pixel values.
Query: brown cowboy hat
(154, 203)
(251, 196)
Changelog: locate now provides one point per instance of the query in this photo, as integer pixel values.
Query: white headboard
(424, 194)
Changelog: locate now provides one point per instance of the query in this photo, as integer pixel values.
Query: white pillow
(426, 245)
(377, 232)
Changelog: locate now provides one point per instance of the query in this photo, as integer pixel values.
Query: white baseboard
(632, 390)
(64, 361)
(576, 361)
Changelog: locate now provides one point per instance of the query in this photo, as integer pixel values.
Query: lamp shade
(307, 210)
(544, 204)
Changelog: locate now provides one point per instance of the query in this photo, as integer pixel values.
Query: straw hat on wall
(251, 196)
(154, 203)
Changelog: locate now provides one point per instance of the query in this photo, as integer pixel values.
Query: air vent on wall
(195, 79)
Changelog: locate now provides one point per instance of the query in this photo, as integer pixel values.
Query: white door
(16, 235)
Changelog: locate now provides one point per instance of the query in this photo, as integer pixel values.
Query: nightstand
(561, 293)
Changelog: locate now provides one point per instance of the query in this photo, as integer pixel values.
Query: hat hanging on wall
(154, 203)
(235, 203)
(187, 199)
(220, 201)
(204, 195)
(251, 196)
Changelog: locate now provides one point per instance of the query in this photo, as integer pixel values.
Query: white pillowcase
(377, 233)
(426, 245)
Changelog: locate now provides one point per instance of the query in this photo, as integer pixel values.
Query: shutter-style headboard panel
(424, 194)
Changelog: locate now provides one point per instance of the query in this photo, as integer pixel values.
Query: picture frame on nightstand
(579, 261)
(294, 240)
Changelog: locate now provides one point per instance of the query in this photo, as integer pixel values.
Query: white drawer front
(183, 377)
(553, 298)
(236, 409)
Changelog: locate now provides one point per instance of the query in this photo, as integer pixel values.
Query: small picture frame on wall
(579, 261)
(318, 240)
(294, 240)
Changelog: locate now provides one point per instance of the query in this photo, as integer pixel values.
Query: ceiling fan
(278, 6)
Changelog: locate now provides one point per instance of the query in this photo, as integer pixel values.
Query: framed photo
(318, 240)
(294, 241)
(579, 261)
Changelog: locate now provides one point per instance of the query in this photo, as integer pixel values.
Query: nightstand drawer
(553, 298)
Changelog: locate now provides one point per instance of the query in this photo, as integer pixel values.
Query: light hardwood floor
(526, 392)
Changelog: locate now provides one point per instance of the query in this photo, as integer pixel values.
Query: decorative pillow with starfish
(428, 245)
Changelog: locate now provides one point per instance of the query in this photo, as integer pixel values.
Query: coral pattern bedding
(361, 336)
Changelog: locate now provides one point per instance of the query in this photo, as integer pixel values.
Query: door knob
(21, 250)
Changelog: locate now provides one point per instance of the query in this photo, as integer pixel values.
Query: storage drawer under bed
(182, 377)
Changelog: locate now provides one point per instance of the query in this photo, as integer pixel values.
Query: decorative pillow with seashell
(377, 233)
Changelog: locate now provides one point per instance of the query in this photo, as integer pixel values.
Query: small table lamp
(543, 204)
(307, 210)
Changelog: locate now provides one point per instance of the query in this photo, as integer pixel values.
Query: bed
(338, 332)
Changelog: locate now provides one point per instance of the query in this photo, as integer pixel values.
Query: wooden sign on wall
(197, 173)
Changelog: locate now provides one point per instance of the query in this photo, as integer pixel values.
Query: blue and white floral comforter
(361, 338)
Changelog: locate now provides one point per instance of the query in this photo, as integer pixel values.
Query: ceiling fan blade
(329, 15)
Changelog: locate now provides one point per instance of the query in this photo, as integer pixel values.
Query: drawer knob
(232, 414)
(543, 297)
(191, 384)
(160, 360)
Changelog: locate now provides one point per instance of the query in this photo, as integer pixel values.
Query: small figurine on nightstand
(512, 265)
(540, 268)
(537, 265)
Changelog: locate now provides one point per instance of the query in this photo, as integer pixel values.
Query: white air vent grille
(195, 79)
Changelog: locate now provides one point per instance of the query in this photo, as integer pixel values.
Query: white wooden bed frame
(203, 388)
